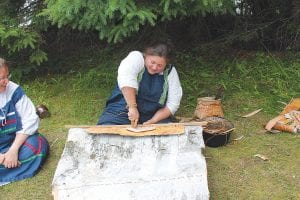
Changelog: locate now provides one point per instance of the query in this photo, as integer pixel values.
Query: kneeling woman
(22, 148)
(148, 89)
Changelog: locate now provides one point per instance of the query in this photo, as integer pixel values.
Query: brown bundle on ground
(288, 120)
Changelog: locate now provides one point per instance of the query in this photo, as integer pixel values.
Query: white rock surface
(112, 167)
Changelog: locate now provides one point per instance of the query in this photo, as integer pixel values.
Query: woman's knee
(34, 145)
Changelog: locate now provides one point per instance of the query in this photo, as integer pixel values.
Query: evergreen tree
(118, 19)
(23, 21)
(20, 30)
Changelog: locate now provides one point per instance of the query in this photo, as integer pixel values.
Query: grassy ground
(257, 81)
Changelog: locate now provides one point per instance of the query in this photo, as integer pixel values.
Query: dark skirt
(32, 154)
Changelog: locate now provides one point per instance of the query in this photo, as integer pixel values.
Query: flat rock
(114, 167)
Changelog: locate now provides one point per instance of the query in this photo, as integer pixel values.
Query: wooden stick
(228, 130)
(252, 113)
(202, 123)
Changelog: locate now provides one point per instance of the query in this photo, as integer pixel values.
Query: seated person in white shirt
(22, 149)
(148, 89)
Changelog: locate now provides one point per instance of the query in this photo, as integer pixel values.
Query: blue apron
(31, 154)
(151, 97)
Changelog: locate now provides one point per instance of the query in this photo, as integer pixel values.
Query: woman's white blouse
(25, 108)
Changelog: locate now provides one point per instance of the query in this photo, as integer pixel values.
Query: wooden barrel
(208, 107)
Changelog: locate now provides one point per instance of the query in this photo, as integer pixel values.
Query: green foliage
(20, 31)
(15, 39)
(268, 24)
(10, 8)
(95, 79)
(38, 57)
(271, 77)
(117, 19)
(266, 74)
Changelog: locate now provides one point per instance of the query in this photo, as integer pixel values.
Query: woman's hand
(11, 159)
(11, 156)
(133, 115)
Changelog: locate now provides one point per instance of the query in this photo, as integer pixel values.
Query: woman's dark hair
(159, 49)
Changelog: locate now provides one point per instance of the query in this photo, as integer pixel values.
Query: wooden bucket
(208, 107)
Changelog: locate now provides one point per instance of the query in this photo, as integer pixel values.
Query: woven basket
(217, 131)
(208, 107)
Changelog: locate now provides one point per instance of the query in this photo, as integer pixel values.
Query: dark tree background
(30, 30)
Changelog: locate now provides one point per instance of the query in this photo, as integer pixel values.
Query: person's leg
(35, 146)
(32, 154)
(108, 118)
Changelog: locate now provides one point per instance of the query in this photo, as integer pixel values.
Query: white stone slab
(113, 167)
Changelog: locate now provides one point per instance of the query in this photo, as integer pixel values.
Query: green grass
(258, 81)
